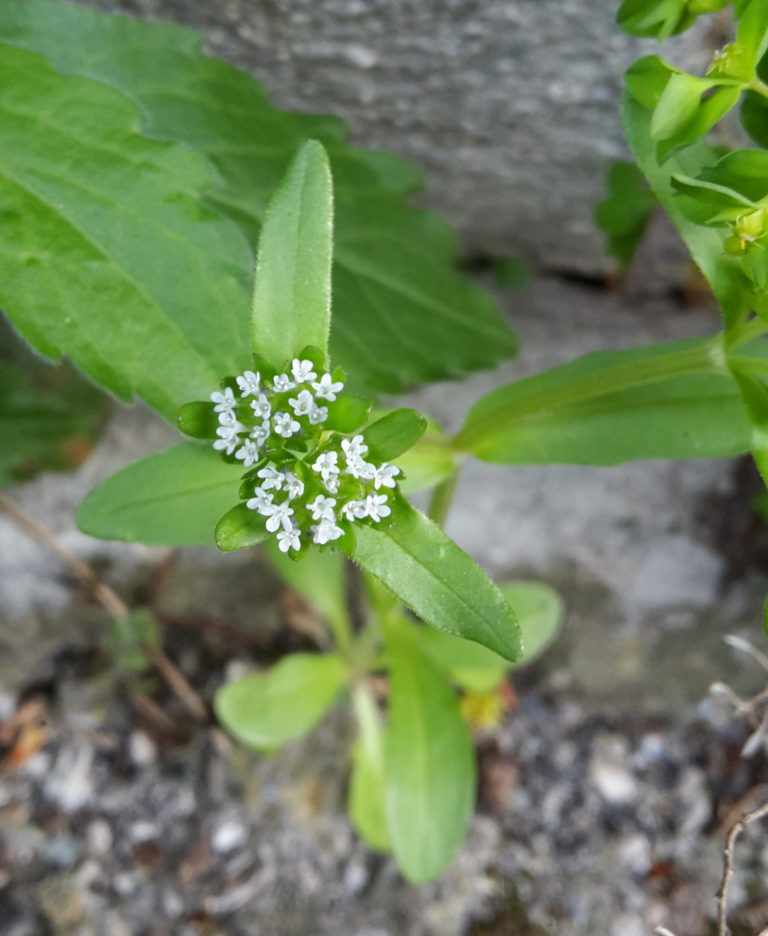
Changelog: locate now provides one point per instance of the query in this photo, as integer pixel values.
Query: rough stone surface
(509, 107)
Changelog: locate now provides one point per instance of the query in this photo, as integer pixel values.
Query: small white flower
(285, 425)
(326, 464)
(228, 418)
(280, 516)
(262, 501)
(326, 389)
(224, 401)
(326, 531)
(322, 507)
(288, 539)
(354, 447)
(376, 506)
(318, 414)
(332, 483)
(358, 468)
(228, 439)
(355, 510)
(261, 406)
(272, 478)
(384, 476)
(249, 453)
(282, 383)
(303, 371)
(293, 485)
(303, 404)
(249, 383)
(260, 434)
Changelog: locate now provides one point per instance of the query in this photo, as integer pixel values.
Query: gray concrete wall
(509, 107)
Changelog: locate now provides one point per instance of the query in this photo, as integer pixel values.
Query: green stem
(704, 357)
(442, 497)
(750, 330)
(757, 367)
(757, 86)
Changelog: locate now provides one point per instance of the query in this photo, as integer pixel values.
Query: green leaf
(172, 498)
(265, 710)
(754, 117)
(198, 420)
(625, 212)
(347, 413)
(46, 422)
(367, 785)
(511, 273)
(396, 290)
(292, 290)
(647, 78)
(429, 760)
(240, 528)
(752, 33)
(539, 611)
(394, 434)
(706, 244)
(658, 18)
(664, 401)
(108, 254)
(678, 104)
(129, 640)
(430, 461)
(429, 573)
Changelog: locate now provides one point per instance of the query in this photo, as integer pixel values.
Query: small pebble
(228, 835)
(142, 750)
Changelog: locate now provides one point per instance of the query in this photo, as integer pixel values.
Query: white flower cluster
(319, 494)
(247, 441)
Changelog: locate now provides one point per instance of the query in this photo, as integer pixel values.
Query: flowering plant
(128, 249)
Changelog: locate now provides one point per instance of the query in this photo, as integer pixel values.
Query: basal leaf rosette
(312, 473)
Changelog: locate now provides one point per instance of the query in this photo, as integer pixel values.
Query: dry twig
(109, 600)
(721, 897)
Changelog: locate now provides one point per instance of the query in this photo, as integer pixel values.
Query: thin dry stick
(109, 600)
(721, 897)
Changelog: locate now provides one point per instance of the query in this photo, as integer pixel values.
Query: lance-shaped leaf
(430, 762)
(367, 785)
(172, 498)
(396, 289)
(539, 611)
(292, 291)
(265, 710)
(664, 401)
(107, 253)
(428, 572)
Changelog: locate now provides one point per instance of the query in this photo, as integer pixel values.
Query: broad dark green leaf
(625, 212)
(367, 785)
(430, 761)
(46, 423)
(663, 401)
(394, 433)
(292, 290)
(429, 573)
(265, 710)
(754, 117)
(198, 420)
(396, 291)
(107, 253)
(173, 498)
